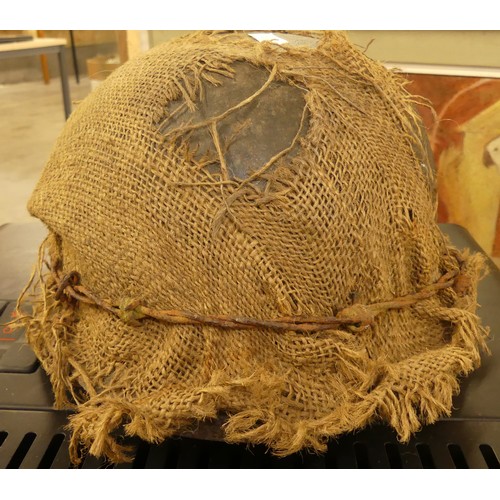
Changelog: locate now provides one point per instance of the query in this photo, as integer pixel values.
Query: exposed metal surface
(250, 136)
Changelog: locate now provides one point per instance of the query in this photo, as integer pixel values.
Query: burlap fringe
(102, 418)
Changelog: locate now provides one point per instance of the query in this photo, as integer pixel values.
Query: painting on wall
(464, 133)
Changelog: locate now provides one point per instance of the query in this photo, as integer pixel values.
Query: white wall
(468, 48)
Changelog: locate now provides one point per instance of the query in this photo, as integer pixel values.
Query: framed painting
(464, 132)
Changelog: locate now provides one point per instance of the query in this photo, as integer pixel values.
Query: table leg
(73, 52)
(64, 83)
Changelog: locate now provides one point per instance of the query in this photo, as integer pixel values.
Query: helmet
(247, 229)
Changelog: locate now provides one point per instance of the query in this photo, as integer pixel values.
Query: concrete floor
(32, 117)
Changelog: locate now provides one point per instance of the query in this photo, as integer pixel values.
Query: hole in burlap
(250, 136)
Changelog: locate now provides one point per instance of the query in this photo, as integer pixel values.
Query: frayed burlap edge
(102, 416)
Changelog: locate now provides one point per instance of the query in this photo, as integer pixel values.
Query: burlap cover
(156, 255)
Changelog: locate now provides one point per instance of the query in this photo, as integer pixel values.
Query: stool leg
(64, 83)
(73, 52)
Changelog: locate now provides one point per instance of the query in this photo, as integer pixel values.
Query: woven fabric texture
(343, 216)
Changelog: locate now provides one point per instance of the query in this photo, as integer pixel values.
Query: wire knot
(361, 316)
(129, 311)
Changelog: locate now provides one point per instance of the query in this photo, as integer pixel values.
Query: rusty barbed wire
(356, 316)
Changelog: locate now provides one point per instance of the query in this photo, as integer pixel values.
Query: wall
(467, 48)
(474, 48)
(160, 36)
(463, 48)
